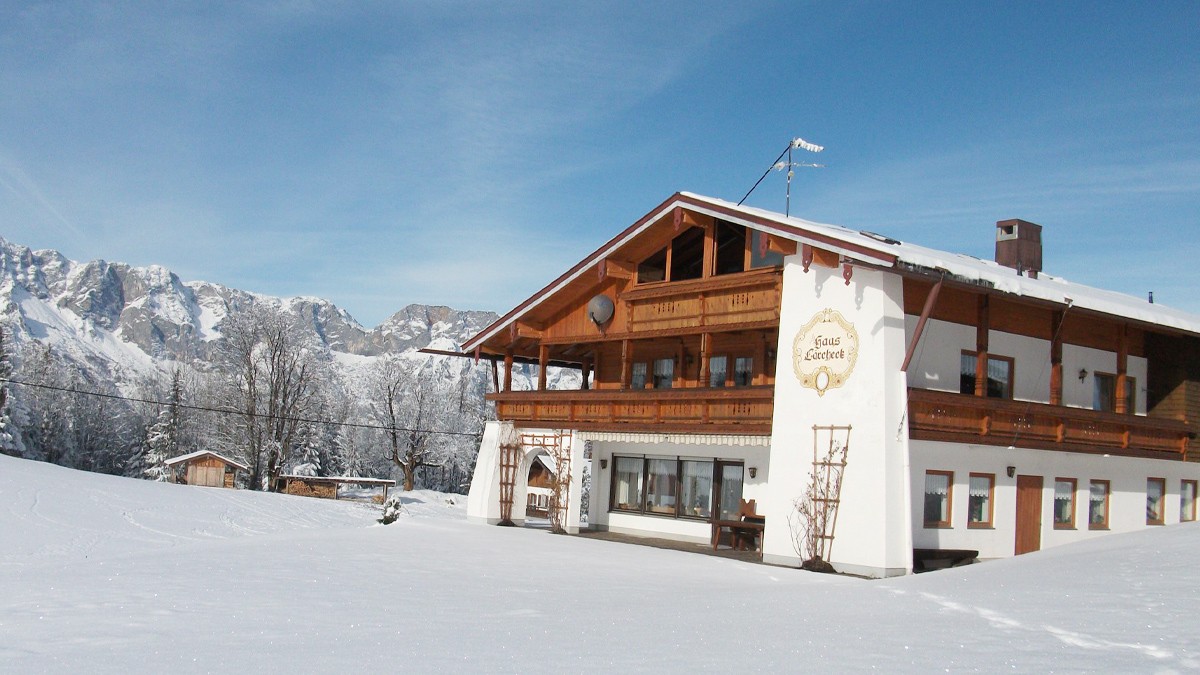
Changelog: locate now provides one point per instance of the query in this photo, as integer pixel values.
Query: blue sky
(381, 154)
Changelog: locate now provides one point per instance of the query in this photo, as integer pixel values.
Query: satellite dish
(600, 309)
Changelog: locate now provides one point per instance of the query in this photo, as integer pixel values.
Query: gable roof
(875, 250)
(201, 453)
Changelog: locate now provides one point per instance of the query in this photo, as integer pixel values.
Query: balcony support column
(1122, 402)
(982, 327)
(543, 360)
(1056, 367)
(624, 364)
(508, 364)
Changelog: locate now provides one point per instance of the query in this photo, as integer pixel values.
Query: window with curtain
(1187, 501)
(695, 488)
(718, 369)
(1064, 503)
(664, 373)
(1098, 505)
(627, 483)
(638, 376)
(1156, 490)
(660, 486)
(1104, 393)
(743, 371)
(979, 500)
(999, 374)
(937, 498)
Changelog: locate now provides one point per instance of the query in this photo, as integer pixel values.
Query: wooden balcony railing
(961, 418)
(734, 410)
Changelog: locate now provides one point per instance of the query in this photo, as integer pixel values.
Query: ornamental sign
(824, 351)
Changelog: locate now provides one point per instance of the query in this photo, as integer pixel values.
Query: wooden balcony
(734, 410)
(960, 418)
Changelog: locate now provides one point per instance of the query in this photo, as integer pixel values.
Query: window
(759, 257)
(999, 374)
(672, 487)
(687, 255)
(743, 371)
(660, 486)
(731, 248)
(1098, 505)
(695, 488)
(1064, 503)
(664, 373)
(979, 500)
(1187, 501)
(718, 368)
(1156, 490)
(653, 268)
(1104, 394)
(638, 379)
(627, 483)
(937, 498)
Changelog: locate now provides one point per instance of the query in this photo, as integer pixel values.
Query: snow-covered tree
(10, 440)
(162, 437)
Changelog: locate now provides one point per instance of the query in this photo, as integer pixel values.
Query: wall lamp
(603, 462)
(1083, 374)
(753, 471)
(1011, 471)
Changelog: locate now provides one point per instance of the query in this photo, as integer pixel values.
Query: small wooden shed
(205, 468)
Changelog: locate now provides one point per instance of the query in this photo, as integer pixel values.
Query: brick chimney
(1019, 246)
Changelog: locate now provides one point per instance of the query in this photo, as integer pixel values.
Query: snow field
(102, 574)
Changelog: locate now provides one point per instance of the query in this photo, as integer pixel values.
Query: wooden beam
(930, 300)
(1056, 366)
(543, 361)
(624, 364)
(495, 375)
(1122, 403)
(982, 326)
(508, 365)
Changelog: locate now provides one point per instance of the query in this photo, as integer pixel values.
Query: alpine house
(882, 403)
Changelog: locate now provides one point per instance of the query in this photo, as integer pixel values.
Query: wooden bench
(745, 532)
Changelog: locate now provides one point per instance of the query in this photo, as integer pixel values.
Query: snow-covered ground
(103, 574)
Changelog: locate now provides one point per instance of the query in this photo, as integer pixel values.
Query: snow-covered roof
(877, 250)
(203, 453)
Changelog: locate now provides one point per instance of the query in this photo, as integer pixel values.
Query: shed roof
(201, 453)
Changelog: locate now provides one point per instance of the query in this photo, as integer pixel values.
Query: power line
(231, 411)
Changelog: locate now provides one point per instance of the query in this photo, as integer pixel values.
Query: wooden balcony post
(624, 364)
(1056, 367)
(705, 346)
(981, 347)
(586, 369)
(495, 375)
(508, 364)
(1122, 402)
(543, 360)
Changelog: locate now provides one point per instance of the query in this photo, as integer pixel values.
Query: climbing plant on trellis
(814, 520)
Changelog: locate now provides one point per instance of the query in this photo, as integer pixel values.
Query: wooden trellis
(819, 506)
(558, 446)
(511, 458)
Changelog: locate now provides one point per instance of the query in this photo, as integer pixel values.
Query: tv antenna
(780, 165)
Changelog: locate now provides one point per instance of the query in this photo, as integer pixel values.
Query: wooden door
(1029, 514)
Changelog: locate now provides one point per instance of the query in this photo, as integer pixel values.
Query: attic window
(687, 255)
(731, 248)
(653, 268)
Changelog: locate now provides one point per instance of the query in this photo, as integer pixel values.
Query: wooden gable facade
(689, 345)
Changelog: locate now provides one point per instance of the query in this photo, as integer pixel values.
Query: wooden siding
(960, 418)
(742, 410)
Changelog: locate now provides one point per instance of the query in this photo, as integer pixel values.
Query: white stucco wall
(1127, 501)
(872, 534)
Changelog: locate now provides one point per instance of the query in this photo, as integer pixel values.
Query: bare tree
(274, 376)
(402, 404)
